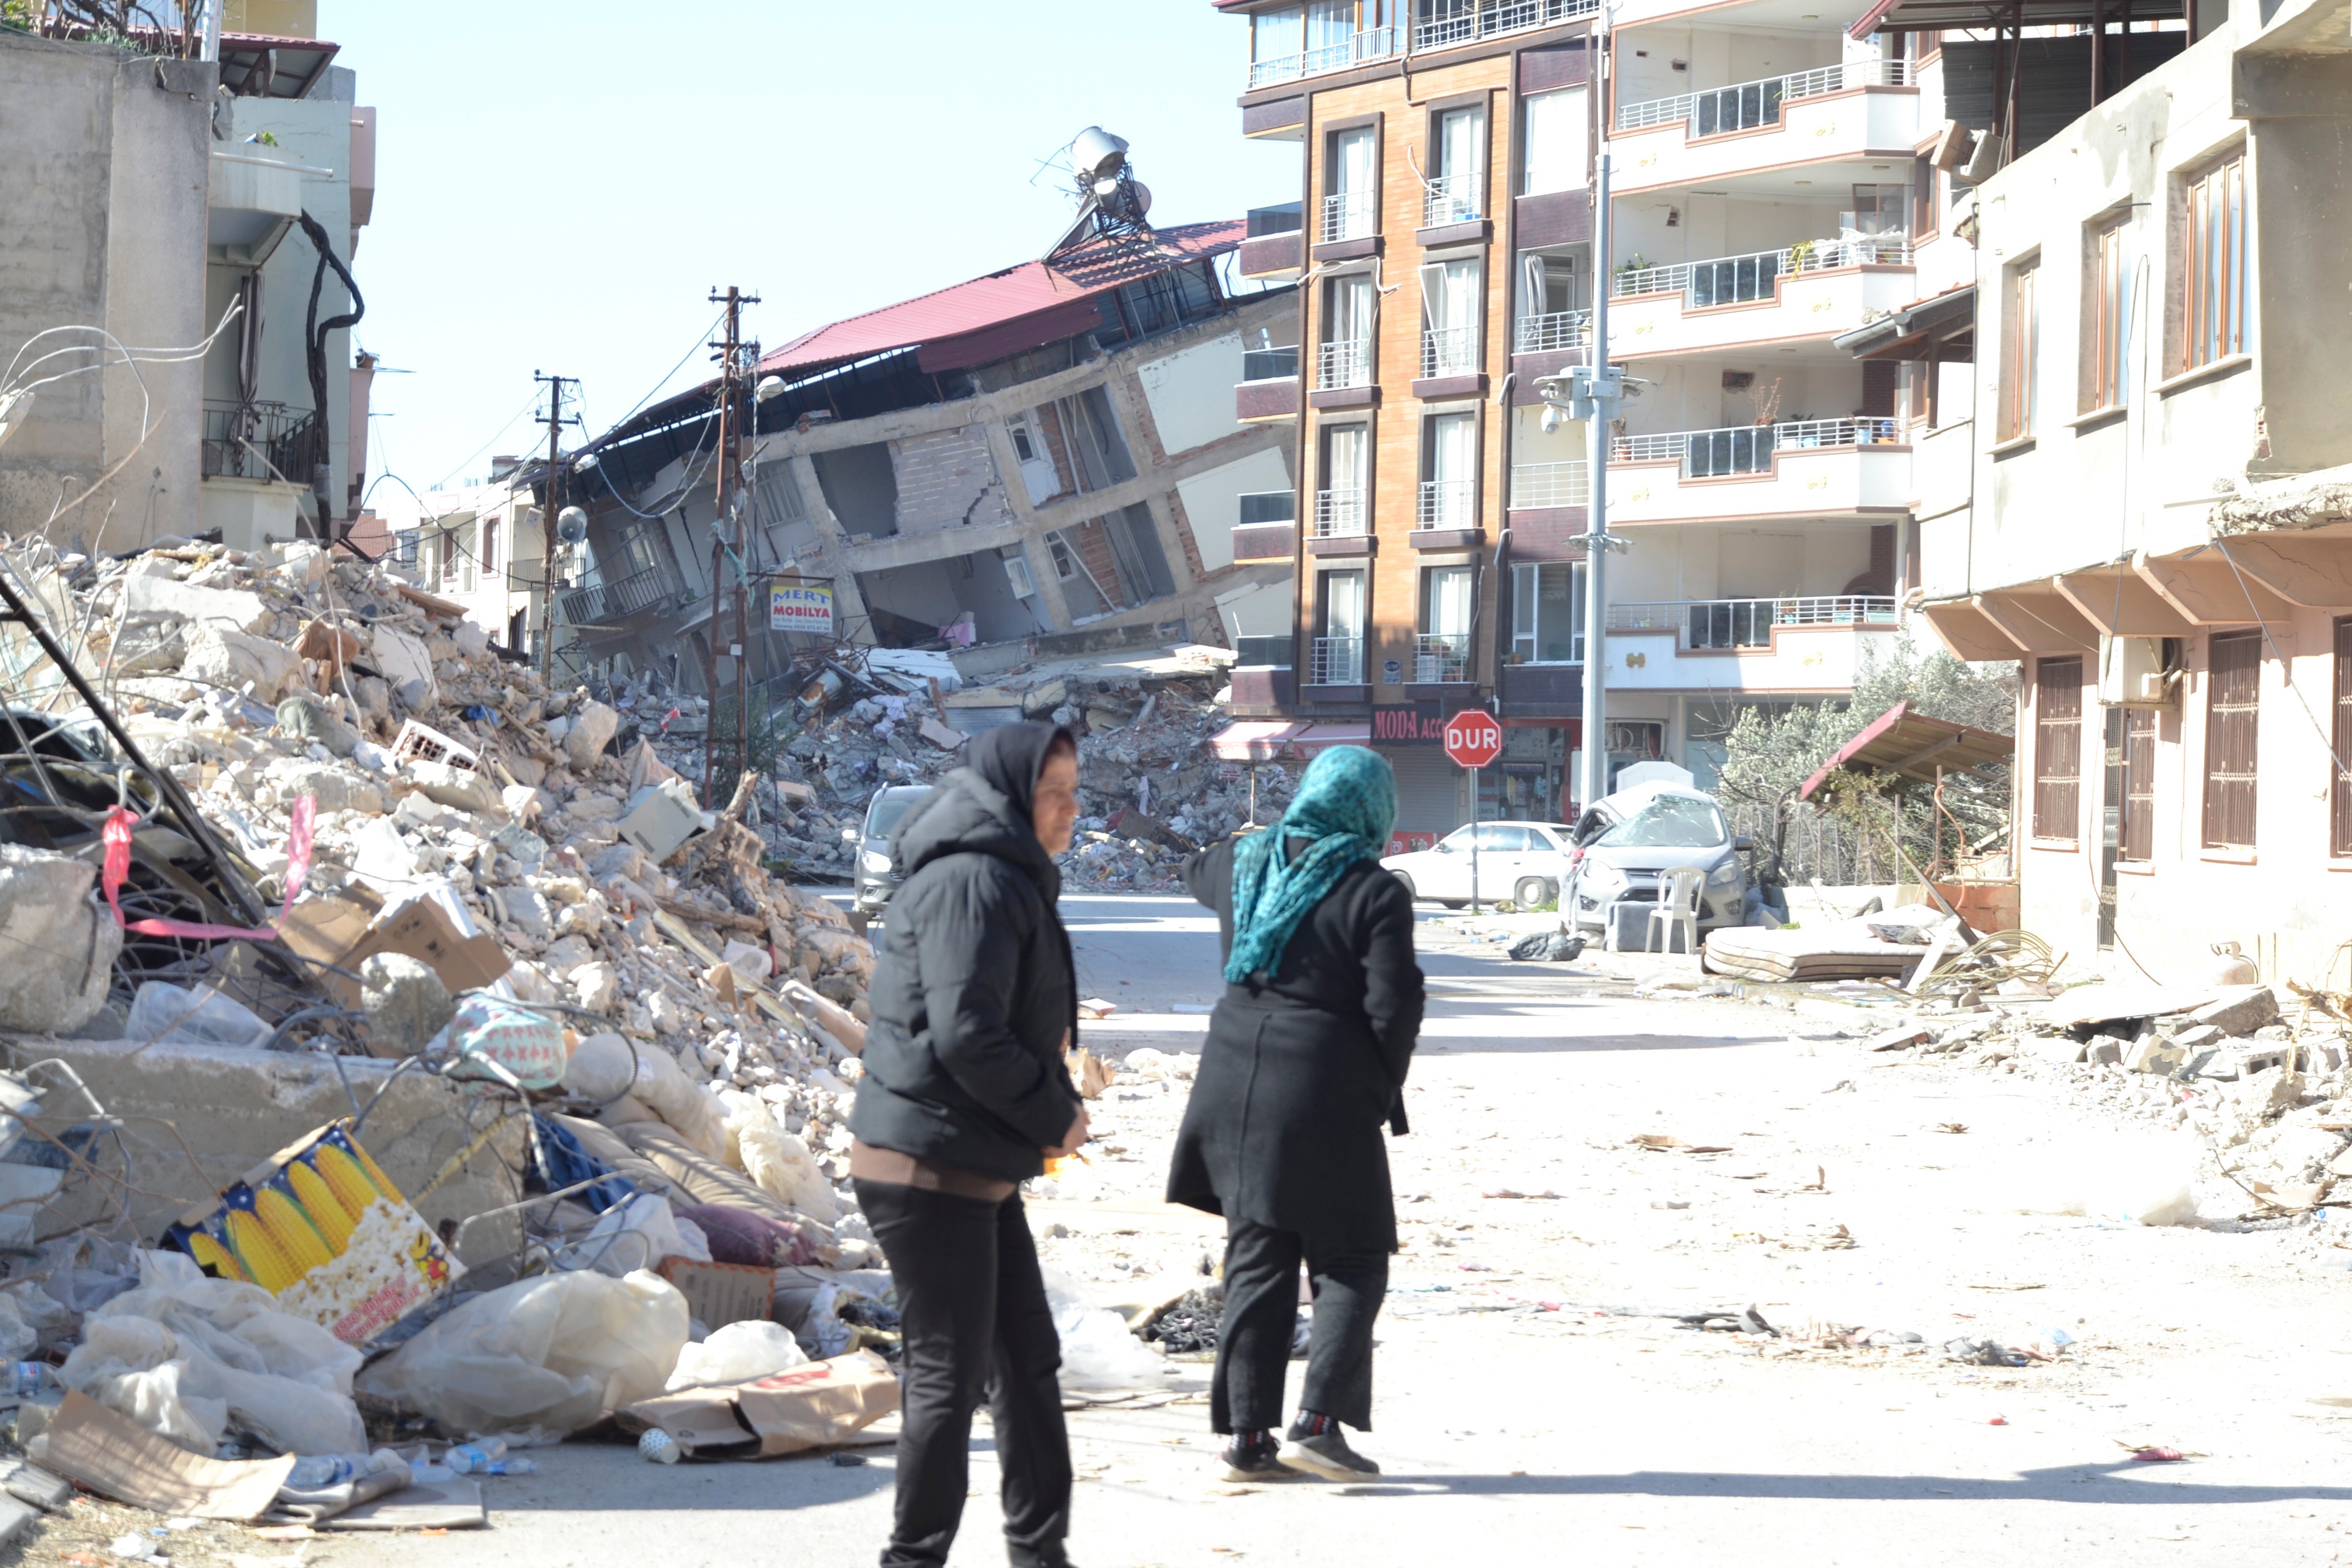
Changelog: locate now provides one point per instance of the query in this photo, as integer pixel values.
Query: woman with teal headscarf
(1305, 1063)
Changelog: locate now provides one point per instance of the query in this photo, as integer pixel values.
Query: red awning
(1254, 740)
(1323, 737)
(1914, 746)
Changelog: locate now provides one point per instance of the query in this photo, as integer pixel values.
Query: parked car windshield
(889, 810)
(1668, 822)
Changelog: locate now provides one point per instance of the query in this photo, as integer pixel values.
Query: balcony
(601, 604)
(1275, 246)
(1348, 215)
(1861, 110)
(1445, 23)
(1373, 44)
(1449, 351)
(1343, 364)
(1540, 487)
(1799, 469)
(1440, 659)
(1815, 289)
(259, 441)
(1267, 527)
(1555, 333)
(1335, 661)
(1339, 513)
(1453, 198)
(1269, 385)
(1448, 504)
(1801, 644)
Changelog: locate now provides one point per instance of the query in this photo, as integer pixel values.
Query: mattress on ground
(1847, 950)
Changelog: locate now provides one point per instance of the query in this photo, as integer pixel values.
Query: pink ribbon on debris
(116, 834)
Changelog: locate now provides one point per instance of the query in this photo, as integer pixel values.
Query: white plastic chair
(1678, 889)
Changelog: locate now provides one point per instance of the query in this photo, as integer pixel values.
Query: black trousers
(971, 1304)
(1261, 1314)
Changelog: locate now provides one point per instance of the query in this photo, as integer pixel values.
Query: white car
(1526, 862)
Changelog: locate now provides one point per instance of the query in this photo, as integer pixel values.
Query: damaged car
(1627, 842)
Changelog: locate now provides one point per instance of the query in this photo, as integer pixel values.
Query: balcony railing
(1449, 351)
(1748, 448)
(258, 441)
(1345, 363)
(1445, 23)
(1559, 330)
(1348, 214)
(1339, 513)
(1752, 103)
(1453, 198)
(1335, 661)
(1373, 44)
(1749, 623)
(1449, 503)
(599, 603)
(1735, 279)
(1538, 485)
(1270, 364)
(1440, 656)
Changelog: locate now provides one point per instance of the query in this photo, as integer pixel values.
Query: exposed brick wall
(946, 479)
(1092, 542)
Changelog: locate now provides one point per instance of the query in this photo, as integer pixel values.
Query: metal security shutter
(2058, 748)
(2140, 785)
(2339, 806)
(2233, 697)
(1429, 794)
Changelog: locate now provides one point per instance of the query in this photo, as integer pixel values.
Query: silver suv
(884, 812)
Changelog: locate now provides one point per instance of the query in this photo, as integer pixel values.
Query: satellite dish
(1096, 155)
(571, 525)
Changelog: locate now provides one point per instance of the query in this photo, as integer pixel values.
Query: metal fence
(1345, 363)
(1550, 484)
(1735, 279)
(1339, 513)
(1745, 105)
(1450, 22)
(1452, 198)
(1748, 448)
(1371, 44)
(1559, 330)
(1336, 661)
(1449, 351)
(1347, 215)
(1449, 503)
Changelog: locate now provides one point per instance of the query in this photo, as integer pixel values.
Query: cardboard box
(722, 1293)
(322, 1228)
(421, 930)
(814, 1406)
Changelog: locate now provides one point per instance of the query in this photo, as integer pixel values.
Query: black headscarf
(1010, 759)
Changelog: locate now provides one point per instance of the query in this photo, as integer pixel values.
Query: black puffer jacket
(975, 996)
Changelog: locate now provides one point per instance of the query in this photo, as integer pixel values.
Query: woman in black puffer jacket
(965, 1094)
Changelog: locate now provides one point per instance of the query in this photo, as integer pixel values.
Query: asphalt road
(1528, 1412)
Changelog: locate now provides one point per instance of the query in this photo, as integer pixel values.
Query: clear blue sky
(560, 186)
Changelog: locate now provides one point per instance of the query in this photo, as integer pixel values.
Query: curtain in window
(1558, 136)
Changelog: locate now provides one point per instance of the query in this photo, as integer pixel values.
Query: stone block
(334, 788)
(144, 596)
(590, 730)
(57, 945)
(220, 656)
(2240, 1010)
(2152, 1053)
(2197, 1037)
(2106, 1051)
(461, 789)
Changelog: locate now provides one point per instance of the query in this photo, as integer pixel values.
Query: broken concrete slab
(592, 729)
(2063, 1049)
(237, 607)
(661, 817)
(2239, 1010)
(2152, 1053)
(228, 660)
(57, 945)
(2106, 1051)
(460, 788)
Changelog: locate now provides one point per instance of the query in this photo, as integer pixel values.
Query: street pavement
(1538, 1402)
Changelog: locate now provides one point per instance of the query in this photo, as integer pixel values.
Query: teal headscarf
(1346, 804)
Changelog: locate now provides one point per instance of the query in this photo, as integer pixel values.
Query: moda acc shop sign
(1407, 724)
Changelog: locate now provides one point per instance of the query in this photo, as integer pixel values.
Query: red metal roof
(1913, 745)
(1037, 301)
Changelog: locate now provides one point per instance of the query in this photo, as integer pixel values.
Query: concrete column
(1050, 599)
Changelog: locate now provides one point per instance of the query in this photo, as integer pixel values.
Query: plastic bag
(18, 1339)
(780, 1162)
(736, 1353)
(82, 1273)
(162, 1012)
(688, 1107)
(497, 1039)
(558, 1353)
(636, 1233)
(195, 1361)
(1097, 1351)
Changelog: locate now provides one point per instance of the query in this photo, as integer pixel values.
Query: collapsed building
(1043, 459)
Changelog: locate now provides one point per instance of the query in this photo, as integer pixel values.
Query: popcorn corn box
(323, 1230)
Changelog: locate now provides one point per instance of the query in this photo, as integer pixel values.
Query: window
(489, 546)
(2232, 679)
(2339, 792)
(1277, 35)
(404, 547)
(2020, 347)
(1457, 190)
(1547, 614)
(1882, 210)
(1923, 198)
(1351, 186)
(1449, 467)
(2139, 786)
(2107, 316)
(1443, 653)
(2058, 748)
(1340, 500)
(1452, 300)
(2213, 306)
(1559, 143)
(1338, 656)
(1502, 838)
(1066, 565)
(1345, 356)
(1551, 303)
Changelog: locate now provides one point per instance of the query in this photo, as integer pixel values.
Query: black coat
(1298, 1074)
(974, 994)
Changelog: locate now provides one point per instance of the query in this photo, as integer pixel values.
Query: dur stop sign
(1473, 739)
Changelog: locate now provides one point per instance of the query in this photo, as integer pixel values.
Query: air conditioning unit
(2138, 672)
(1017, 569)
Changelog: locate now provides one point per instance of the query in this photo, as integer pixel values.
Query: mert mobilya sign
(799, 607)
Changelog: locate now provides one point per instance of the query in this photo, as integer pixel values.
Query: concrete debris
(61, 942)
(406, 1002)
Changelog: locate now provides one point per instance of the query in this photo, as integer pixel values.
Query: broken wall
(947, 479)
(861, 489)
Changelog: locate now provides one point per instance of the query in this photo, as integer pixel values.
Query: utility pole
(730, 390)
(1601, 401)
(555, 419)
